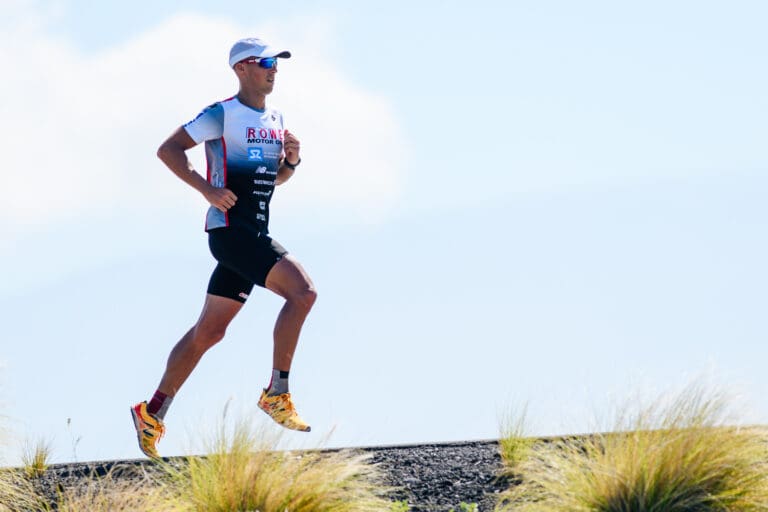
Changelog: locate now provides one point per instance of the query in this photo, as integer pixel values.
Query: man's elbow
(162, 151)
(169, 151)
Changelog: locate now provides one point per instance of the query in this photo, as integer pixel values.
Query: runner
(248, 152)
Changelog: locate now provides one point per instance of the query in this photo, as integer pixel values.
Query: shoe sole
(308, 429)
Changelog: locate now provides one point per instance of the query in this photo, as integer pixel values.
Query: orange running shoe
(280, 408)
(149, 429)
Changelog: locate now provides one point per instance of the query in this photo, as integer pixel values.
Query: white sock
(279, 383)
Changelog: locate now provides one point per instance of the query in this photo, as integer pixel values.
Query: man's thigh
(288, 277)
(218, 312)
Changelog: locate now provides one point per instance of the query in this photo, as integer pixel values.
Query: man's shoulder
(212, 113)
(227, 103)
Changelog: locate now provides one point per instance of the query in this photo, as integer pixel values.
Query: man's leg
(289, 280)
(217, 313)
(216, 316)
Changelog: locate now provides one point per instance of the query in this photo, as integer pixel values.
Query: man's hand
(221, 198)
(291, 147)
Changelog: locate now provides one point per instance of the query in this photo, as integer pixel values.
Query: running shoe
(149, 429)
(280, 408)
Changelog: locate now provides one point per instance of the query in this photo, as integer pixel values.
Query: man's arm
(173, 154)
(291, 148)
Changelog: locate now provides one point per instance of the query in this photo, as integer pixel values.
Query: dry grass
(17, 493)
(674, 456)
(35, 457)
(243, 472)
(515, 445)
(110, 494)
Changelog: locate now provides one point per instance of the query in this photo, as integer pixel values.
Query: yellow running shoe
(280, 408)
(149, 429)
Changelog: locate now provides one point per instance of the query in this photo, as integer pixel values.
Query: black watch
(291, 166)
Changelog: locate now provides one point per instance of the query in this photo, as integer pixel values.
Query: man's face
(255, 76)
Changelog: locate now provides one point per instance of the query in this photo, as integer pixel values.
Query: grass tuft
(18, 493)
(466, 507)
(515, 446)
(111, 494)
(35, 457)
(399, 506)
(677, 455)
(244, 472)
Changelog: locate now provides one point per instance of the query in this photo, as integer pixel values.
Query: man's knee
(208, 334)
(304, 298)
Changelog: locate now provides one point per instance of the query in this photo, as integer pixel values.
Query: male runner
(248, 152)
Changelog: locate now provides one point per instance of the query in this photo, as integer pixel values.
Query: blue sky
(500, 204)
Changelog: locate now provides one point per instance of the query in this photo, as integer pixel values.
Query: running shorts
(244, 258)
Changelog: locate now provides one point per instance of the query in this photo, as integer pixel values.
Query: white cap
(253, 47)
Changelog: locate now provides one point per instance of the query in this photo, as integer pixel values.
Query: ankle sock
(279, 383)
(159, 404)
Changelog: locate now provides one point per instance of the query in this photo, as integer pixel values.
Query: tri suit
(243, 147)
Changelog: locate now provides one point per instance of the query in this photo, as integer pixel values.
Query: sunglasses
(266, 62)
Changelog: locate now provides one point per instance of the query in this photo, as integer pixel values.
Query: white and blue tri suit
(243, 147)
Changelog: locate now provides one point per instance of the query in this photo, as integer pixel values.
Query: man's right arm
(173, 154)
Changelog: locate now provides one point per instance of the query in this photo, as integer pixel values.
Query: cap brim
(266, 53)
(283, 54)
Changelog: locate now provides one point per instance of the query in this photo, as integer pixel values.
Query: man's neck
(252, 99)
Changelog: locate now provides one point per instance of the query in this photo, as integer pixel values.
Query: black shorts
(245, 258)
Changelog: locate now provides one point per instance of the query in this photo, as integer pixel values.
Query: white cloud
(81, 130)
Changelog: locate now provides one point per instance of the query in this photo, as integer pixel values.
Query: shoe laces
(287, 403)
(159, 427)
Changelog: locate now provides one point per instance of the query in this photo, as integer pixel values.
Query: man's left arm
(290, 159)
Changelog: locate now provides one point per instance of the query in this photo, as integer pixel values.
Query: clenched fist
(291, 147)
(221, 198)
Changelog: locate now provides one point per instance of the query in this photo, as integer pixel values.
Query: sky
(550, 206)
